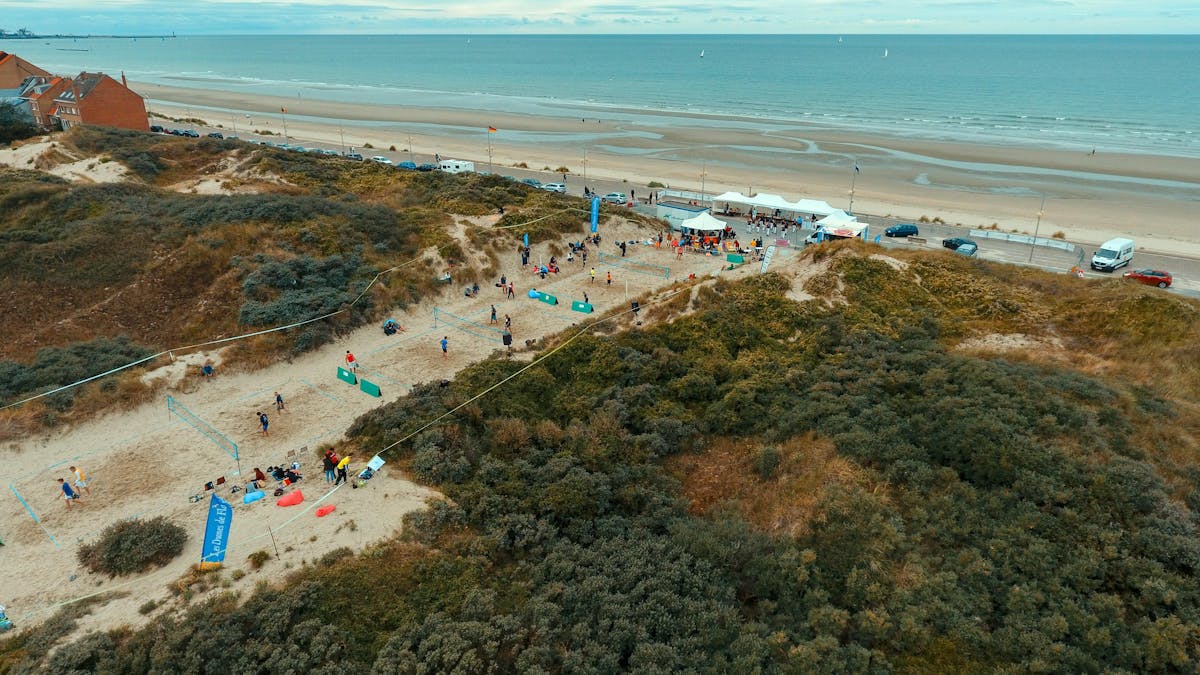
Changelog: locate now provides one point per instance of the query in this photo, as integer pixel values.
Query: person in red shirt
(351, 362)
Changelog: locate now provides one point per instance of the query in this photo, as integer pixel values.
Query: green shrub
(766, 461)
(258, 559)
(132, 546)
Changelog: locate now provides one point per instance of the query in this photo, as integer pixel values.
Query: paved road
(1185, 270)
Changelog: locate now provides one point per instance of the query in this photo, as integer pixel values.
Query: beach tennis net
(635, 266)
(203, 427)
(467, 326)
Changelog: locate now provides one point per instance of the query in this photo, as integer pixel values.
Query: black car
(954, 242)
(216, 134)
(190, 133)
(156, 128)
(902, 230)
(427, 167)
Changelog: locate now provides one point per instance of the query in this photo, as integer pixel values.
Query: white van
(456, 166)
(1113, 253)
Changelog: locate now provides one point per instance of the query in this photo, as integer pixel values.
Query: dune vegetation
(868, 481)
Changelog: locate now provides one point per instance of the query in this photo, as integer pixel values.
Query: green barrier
(548, 299)
(347, 376)
(579, 306)
(735, 258)
(370, 388)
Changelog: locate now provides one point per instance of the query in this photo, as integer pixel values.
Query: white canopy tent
(814, 206)
(703, 223)
(838, 217)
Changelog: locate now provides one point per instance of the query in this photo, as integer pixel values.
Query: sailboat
(839, 39)
(701, 53)
(884, 53)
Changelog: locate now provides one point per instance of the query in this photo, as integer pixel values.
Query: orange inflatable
(290, 499)
(325, 510)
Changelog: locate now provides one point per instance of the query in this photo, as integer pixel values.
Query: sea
(1111, 93)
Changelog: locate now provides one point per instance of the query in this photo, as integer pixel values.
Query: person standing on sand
(609, 282)
(80, 482)
(445, 345)
(585, 299)
(507, 323)
(593, 280)
(330, 467)
(278, 402)
(341, 471)
(262, 421)
(351, 362)
(511, 294)
(68, 494)
(493, 320)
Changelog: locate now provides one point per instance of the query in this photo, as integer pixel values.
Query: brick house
(14, 70)
(95, 98)
(39, 94)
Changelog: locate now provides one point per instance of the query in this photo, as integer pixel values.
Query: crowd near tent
(768, 203)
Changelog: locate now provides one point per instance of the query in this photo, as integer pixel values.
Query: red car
(1150, 277)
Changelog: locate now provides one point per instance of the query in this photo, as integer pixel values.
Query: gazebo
(702, 223)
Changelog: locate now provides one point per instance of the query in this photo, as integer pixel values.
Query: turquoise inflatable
(251, 497)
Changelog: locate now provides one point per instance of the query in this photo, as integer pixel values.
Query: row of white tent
(834, 219)
(763, 200)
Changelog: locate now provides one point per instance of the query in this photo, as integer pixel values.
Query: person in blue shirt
(445, 345)
(69, 493)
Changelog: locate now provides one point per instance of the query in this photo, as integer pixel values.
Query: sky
(223, 17)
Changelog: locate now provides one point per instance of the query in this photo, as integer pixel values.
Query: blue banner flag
(216, 533)
(527, 240)
(595, 214)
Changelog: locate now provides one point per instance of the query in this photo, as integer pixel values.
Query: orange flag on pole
(283, 110)
(491, 130)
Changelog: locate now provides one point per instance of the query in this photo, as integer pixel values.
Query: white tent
(703, 223)
(838, 217)
(815, 206)
(731, 197)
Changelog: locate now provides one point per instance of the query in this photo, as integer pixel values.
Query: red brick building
(95, 98)
(40, 93)
(14, 70)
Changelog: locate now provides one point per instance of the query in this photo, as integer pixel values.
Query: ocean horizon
(1133, 94)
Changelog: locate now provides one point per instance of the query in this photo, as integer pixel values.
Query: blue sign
(595, 213)
(527, 240)
(216, 533)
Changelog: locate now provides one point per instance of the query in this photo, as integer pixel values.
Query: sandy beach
(1088, 197)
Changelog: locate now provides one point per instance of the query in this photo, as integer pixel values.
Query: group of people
(76, 489)
(336, 468)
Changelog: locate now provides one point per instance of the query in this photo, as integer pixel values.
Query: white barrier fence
(1024, 239)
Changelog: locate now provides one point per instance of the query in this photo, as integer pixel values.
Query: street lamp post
(1038, 227)
(853, 177)
(342, 136)
(703, 175)
(410, 147)
(585, 168)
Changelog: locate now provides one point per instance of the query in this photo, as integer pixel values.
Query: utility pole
(853, 176)
(1038, 227)
(283, 114)
(703, 175)
(410, 148)
(342, 136)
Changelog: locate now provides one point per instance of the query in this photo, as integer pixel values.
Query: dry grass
(785, 504)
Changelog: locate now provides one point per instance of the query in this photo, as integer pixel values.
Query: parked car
(380, 159)
(354, 156)
(902, 230)
(1151, 277)
(191, 133)
(532, 182)
(555, 187)
(968, 249)
(216, 134)
(615, 198)
(427, 167)
(954, 242)
(156, 129)
(410, 166)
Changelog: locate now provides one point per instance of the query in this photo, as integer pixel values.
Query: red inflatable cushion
(291, 499)
(325, 510)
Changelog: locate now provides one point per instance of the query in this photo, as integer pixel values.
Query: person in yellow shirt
(341, 471)
(80, 482)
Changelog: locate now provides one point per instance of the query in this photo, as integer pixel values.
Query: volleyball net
(441, 316)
